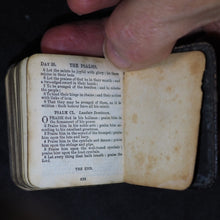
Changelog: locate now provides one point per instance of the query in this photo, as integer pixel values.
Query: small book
(76, 121)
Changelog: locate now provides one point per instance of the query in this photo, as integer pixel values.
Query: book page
(74, 121)
(12, 127)
(162, 115)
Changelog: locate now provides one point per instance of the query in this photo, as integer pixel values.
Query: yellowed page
(162, 114)
(74, 121)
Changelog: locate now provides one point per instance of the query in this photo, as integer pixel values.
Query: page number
(82, 179)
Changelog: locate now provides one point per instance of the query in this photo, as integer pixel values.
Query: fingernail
(114, 57)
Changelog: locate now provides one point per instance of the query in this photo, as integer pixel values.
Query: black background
(22, 24)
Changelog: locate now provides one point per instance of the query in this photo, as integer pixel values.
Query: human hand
(137, 34)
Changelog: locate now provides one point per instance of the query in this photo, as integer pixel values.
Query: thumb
(141, 33)
(135, 37)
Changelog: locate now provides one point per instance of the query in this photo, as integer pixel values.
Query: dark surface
(22, 24)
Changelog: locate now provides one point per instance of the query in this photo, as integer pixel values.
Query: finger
(88, 6)
(213, 27)
(83, 38)
(140, 33)
(135, 38)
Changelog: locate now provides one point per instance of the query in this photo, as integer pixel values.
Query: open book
(77, 121)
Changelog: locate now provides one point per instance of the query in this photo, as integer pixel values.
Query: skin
(137, 34)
